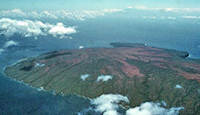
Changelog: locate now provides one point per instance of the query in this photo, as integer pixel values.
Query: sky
(49, 5)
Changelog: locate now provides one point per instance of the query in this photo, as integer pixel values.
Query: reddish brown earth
(140, 72)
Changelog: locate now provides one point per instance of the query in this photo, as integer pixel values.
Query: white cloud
(144, 17)
(12, 13)
(166, 9)
(108, 103)
(191, 17)
(178, 86)
(104, 78)
(150, 108)
(189, 9)
(39, 65)
(83, 77)
(75, 15)
(141, 7)
(81, 47)
(83, 14)
(33, 14)
(169, 9)
(112, 10)
(111, 112)
(172, 18)
(1, 50)
(28, 28)
(59, 29)
(157, 17)
(129, 7)
(47, 14)
(10, 43)
(149, 17)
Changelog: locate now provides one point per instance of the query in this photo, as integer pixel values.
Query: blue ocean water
(17, 98)
(176, 34)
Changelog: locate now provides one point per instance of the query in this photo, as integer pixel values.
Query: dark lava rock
(140, 72)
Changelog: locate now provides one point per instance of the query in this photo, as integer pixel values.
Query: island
(142, 73)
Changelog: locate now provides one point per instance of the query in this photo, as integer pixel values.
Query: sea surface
(20, 99)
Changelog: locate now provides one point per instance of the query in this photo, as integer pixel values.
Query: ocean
(17, 98)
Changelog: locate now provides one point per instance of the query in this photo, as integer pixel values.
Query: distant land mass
(140, 72)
